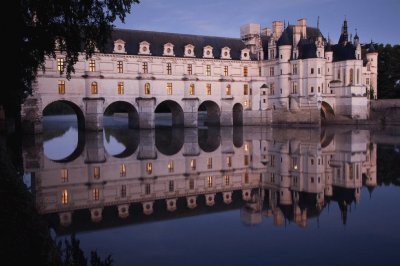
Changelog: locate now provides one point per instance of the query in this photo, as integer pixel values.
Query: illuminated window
(189, 69)
(294, 164)
(60, 64)
(122, 170)
(123, 191)
(209, 163)
(64, 175)
(120, 67)
(145, 68)
(226, 180)
(245, 89)
(228, 89)
(245, 71)
(61, 87)
(209, 181)
(193, 164)
(120, 88)
(96, 194)
(96, 172)
(294, 69)
(169, 69)
(229, 161)
(208, 70)
(92, 65)
(170, 166)
(351, 76)
(246, 147)
(226, 72)
(246, 178)
(169, 88)
(64, 197)
(208, 87)
(149, 168)
(93, 87)
(147, 88)
(191, 184)
(171, 186)
(246, 160)
(271, 71)
(191, 89)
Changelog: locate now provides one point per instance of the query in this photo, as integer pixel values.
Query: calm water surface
(228, 196)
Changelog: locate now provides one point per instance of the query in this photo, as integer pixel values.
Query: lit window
(145, 68)
(245, 71)
(191, 89)
(246, 147)
(123, 191)
(93, 87)
(209, 181)
(96, 194)
(122, 170)
(170, 166)
(120, 88)
(246, 178)
(193, 164)
(92, 65)
(228, 89)
(169, 88)
(226, 180)
(169, 69)
(171, 186)
(147, 88)
(149, 168)
(245, 89)
(208, 70)
(64, 175)
(226, 73)
(208, 88)
(189, 69)
(294, 164)
(61, 87)
(229, 161)
(64, 197)
(96, 172)
(246, 160)
(60, 65)
(120, 67)
(191, 184)
(147, 189)
(209, 163)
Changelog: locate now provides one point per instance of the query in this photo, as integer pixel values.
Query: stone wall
(385, 111)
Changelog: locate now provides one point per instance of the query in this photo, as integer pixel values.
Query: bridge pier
(190, 111)
(94, 113)
(146, 107)
(226, 118)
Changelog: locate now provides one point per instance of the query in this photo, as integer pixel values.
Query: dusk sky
(376, 20)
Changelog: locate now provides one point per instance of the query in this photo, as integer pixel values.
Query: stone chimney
(277, 28)
(303, 27)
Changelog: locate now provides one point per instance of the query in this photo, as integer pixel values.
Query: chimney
(277, 28)
(267, 31)
(296, 35)
(303, 27)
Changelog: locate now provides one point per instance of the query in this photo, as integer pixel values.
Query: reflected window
(208, 87)
(147, 88)
(92, 65)
(122, 170)
(169, 88)
(246, 160)
(312, 161)
(209, 181)
(209, 163)
(245, 71)
(120, 67)
(123, 191)
(171, 186)
(170, 166)
(149, 168)
(145, 68)
(245, 89)
(193, 164)
(64, 175)
(312, 179)
(61, 87)
(226, 180)
(191, 184)
(191, 89)
(229, 161)
(120, 88)
(64, 197)
(228, 89)
(93, 87)
(96, 172)
(60, 65)
(246, 147)
(226, 72)
(147, 190)
(246, 178)
(96, 194)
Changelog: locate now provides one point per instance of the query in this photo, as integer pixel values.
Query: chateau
(287, 74)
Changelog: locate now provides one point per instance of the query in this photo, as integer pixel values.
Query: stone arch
(209, 112)
(237, 114)
(176, 117)
(327, 113)
(124, 107)
(76, 110)
(169, 141)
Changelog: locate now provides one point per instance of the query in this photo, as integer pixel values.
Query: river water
(221, 196)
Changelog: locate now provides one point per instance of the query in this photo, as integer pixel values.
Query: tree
(70, 26)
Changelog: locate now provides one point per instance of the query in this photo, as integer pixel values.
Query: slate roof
(344, 52)
(132, 38)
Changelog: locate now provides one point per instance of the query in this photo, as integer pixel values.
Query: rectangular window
(229, 161)
(171, 186)
(92, 65)
(294, 88)
(169, 88)
(64, 175)
(246, 178)
(208, 86)
(245, 71)
(193, 164)
(64, 197)
(96, 172)
(226, 73)
(209, 181)
(122, 170)
(338, 74)
(60, 65)
(245, 89)
(123, 191)
(272, 161)
(170, 166)
(209, 163)
(272, 89)
(271, 71)
(96, 194)
(145, 68)
(312, 89)
(191, 184)
(189, 69)
(61, 87)
(367, 81)
(259, 71)
(120, 88)
(226, 180)
(147, 189)
(358, 76)
(149, 168)
(319, 70)
(228, 89)
(120, 67)
(312, 71)
(147, 88)
(169, 69)
(295, 69)
(191, 89)
(93, 87)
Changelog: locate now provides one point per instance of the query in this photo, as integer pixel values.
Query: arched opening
(237, 115)
(327, 113)
(209, 139)
(169, 113)
(121, 113)
(62, 139)
(208, 114)
(120, 142)
(326, 138)
(169, 141)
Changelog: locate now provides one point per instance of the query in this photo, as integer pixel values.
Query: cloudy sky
(378, 20)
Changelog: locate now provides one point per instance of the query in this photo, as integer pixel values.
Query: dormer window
(245, 54)
(226, 53)
(168, 49)
(189, 50)
(144, 48)
(119, 46)
(208, 52)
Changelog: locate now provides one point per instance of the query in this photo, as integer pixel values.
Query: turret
(328, 52)
(356, 42)
(285, 47)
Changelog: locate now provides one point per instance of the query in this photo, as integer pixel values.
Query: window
(149, 168)
(169, 88)
(272, 89)
(226, 72)
(367, 81)
(351, 76)
(96, 172)
(245, 71)
(193, 164)
(120, 88)
(272, 161)
(319, 89)
(226, 180)
(272, 53)
(147, 189)
(246, 178)
(209, 181)
(294, 88)
(120, 67)
(358, 76)
(295, 69)
(123, 191)
(312, 179)
(93, 87)
(171, 186)
(208, 70)
(122, 170)
(191, 184)
(61, 87)
(60, 65)
(170, 166)
(319, 70)
(147, 88)
(92, 65)
(271, 71)
(64, 197)
(229, 161)
(312, 161)
(64, 175)
(259, 71)
(338, 74)
(312, 89)
(209, 163)
(191, 89)
(208, 88)
(145, 68)
(189, 69)
(312, 70)
(245, 89)
(228, 89)
(169, 69)
(246, 160)
(96, 194)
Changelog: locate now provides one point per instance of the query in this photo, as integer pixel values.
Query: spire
(318, 22)
(344, 36)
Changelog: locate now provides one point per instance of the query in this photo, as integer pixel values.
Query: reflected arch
(327, 113)
(169, 141)
(123, 107)
(126, 137)
(209, 139)
(209, 114)
(237, 114)
(169, 113)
